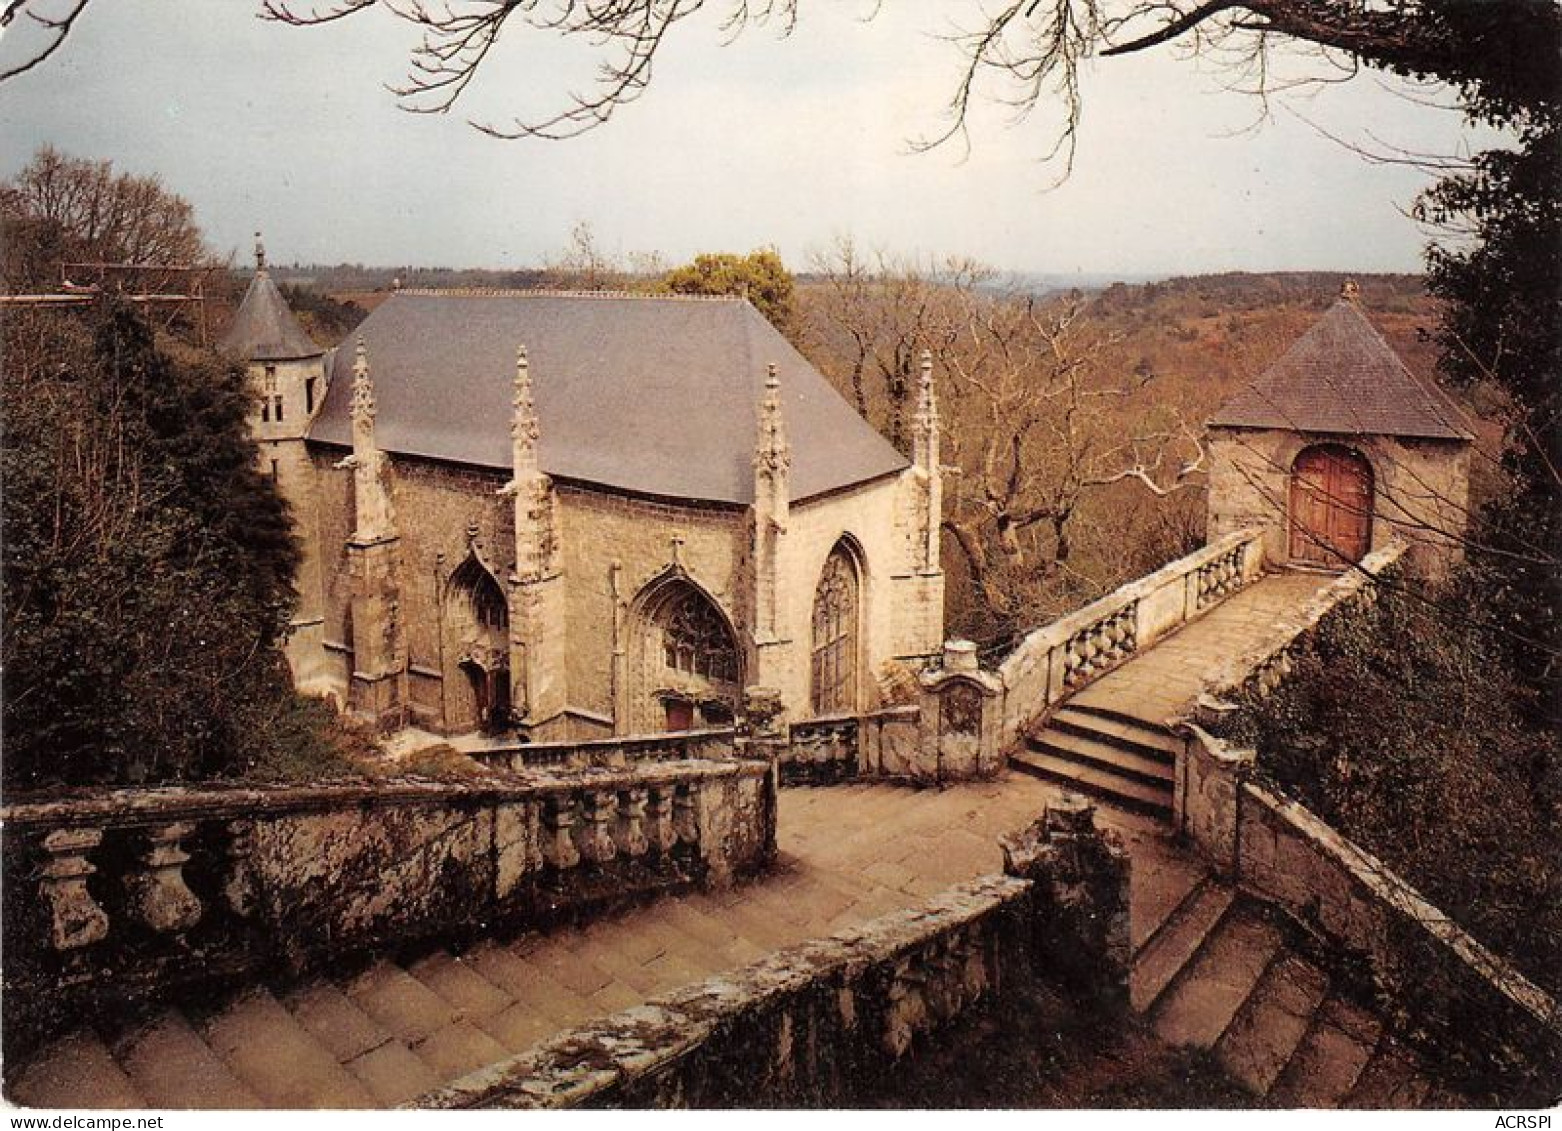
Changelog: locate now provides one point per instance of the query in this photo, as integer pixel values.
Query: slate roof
(1342, 377)
(653, 395)
(264, 328)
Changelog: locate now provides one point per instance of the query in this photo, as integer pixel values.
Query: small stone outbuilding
(1338, 449)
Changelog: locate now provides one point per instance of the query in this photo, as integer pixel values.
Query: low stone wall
(130, 895)
(1449, 993)
(800, 1027)
(1057, 660)
(616, 752)
(821, 751)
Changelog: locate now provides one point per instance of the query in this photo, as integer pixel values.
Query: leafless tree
(1039, 422)
(1020, 52)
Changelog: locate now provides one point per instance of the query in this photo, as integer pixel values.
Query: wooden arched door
(1331, 506)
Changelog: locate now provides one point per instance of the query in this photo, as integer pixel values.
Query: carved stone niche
(961, 707)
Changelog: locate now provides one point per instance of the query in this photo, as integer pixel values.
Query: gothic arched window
(479, 587)
(695, 639)
(835, 635)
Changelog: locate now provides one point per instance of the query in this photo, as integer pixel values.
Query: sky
(791, 142)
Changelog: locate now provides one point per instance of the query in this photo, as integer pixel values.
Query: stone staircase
(386, 1034)
(1217, 974)
(390, 1033)
(1104, 753)
(1210, 971)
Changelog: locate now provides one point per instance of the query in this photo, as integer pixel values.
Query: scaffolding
(175, 287)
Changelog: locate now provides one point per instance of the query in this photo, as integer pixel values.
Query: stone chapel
(573, 515)
(1338, 448)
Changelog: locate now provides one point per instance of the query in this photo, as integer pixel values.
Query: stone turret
(537, 659)
(772, 508)
(287, 376)
(286, 367)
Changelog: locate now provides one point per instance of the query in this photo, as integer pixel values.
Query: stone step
(1158, 887)
(1105, 720)
(1200, 1005)
(1270, 1027)
(1391, 1081)
(1097, 755)
(458, 1048)
(400, 1003)
(77, 1071)
(267, 1048)
(473, 995)
(1338, 1045)
(535, 992)
(1172, 946)
(392, 1074)
(1139, 738)
(1110, 787)
(173, 1067)
(335, 1020)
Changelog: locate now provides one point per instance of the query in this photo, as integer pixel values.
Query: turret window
(309, 395)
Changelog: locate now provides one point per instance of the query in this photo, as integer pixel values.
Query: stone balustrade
(128, 894)
(1060, 658)
(807, 1024)
(821, 751)
(1472, 1011)
(615, 752)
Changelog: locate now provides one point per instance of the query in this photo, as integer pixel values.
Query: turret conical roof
(264, 328)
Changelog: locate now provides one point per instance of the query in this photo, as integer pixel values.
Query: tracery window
(480, 588)
(835, 635)
(695, 639)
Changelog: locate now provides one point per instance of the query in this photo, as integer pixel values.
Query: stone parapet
(1059, 659)
(617, 752)
(801, 1026)
(1452, 996)
(119, 897)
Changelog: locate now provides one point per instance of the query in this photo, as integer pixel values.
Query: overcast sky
(766, 141)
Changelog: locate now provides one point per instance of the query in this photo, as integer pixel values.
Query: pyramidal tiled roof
(658, 395)
(1342, 377)
(264, 328)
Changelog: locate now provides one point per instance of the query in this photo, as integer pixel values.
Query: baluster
(907, 1014)
(239, 888)
(558, 822)
(159, 897)
(943, 988)
(75, 918)
(596, 836)
(659, 820)
(631, 822)
(686, 814)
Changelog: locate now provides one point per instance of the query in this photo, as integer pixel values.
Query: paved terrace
(1159, 683)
